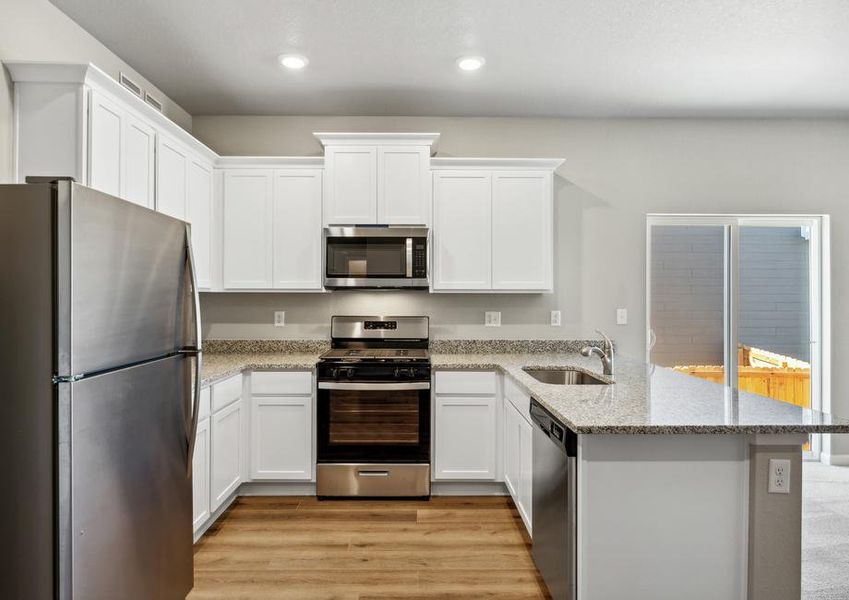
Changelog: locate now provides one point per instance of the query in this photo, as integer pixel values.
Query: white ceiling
(544, 57)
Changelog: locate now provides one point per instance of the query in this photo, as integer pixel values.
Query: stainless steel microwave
(376, 257)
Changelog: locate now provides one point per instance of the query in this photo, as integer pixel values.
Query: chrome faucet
(606, 354)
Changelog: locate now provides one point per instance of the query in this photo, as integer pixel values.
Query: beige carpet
(825, 532)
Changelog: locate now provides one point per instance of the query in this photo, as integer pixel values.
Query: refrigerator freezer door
(130, 523)
(121, 287)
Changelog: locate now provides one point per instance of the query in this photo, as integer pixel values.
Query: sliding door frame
(819, 270)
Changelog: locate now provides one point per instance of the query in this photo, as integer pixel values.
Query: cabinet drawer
(226, 392)
(465, 382)
(518, 398)
(204, 407)
(281, 382)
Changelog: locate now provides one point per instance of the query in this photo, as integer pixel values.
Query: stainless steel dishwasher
(555, 450)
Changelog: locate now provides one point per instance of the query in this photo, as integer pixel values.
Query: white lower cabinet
(517, 450)
(225, 446)
(281, 437)
(200, 476)
(465, 427)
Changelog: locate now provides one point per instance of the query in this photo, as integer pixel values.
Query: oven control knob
(349, 372)
(334, 373)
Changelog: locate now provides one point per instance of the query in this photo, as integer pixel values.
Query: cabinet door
(526, 471)
(105, 133)
(522, 225)
(462, 230)
(200, 216)
(281, 437)
(139, 162)
(200, 476)
(225, 453)
(465, 438)
(172, 163)
(247, 228)
(297, 229)
(351, 194)
(403, 185)
(512, 451)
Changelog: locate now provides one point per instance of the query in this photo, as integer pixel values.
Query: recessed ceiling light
(296, 62)
(470, 63)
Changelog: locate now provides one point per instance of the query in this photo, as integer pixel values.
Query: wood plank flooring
(306, 549)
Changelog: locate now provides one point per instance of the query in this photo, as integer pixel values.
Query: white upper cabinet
(172, 167)
(351, 197)
(200, 217)
(138, 162)
(247, 228)
(272, 224)
(297, 229)
(122, 152)
(106, 130)
(403, 185)
(462, 230)
(75, 120)
(378, 178)
(522, 230)
(493, 225)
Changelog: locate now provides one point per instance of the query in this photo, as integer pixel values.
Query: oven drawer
(360, 479)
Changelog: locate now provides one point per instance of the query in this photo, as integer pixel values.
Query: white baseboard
(468, 488)
(840, 460)
(263, 488)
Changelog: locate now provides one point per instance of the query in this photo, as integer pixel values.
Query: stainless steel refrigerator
(99, 359)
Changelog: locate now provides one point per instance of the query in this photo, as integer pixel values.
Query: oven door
(375, 257)
(373, 422)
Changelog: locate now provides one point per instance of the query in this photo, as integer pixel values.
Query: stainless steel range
(373, 415)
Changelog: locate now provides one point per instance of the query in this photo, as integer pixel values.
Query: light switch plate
(279, 318)
(621, 316)
(492, 319)
(555, 318)
(779, 476)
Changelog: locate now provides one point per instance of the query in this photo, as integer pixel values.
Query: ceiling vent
(130, 85)
(153, 102)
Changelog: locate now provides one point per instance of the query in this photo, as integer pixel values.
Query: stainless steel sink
(563, 376)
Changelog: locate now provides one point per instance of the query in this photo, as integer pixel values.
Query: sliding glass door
(739, 300)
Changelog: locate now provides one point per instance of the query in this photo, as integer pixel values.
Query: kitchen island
(671, 472)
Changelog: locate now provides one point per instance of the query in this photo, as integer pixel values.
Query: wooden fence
(766, 373)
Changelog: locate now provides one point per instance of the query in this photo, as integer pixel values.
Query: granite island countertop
(645, 398)
(641, 399)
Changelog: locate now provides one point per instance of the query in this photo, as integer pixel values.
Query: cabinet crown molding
(495, 164)
(358, 138)
(91, 75)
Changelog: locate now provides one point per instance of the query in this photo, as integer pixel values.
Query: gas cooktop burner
(381, 354)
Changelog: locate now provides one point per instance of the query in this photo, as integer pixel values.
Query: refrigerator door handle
(191, 435)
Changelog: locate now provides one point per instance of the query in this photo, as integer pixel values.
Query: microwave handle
(409, 258)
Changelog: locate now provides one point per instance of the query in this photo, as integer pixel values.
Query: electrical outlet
(555, 318)
(279, 318)
(621, 316)
(779, 476)
(492, 319)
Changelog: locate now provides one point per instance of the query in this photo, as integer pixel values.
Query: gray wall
(615, 172)
(687, 298)
(35, 30)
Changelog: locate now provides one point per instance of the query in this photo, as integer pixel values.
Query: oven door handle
(377, 387)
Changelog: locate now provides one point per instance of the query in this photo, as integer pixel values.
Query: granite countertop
(641, 398)
(221, 365)
(646, 398)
